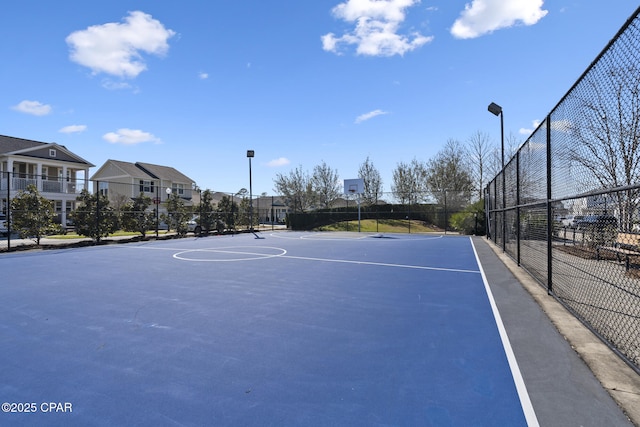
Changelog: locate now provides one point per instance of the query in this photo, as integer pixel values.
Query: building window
(52, 152)
(146, 186)
(103, 188)
(178, 189)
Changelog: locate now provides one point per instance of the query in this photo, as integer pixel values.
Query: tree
(32, 214)
(296, 189)
(372, 182)
(326, 184)
(479, 153)
(409, 182)
(494, 158)
(227, 211)
(607, 135)
(136, 217)
(471, 220)
(177, 214)
(93, 216)
(448, 176)
(206, 212)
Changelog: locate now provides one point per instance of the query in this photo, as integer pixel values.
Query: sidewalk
(47, 243)
(572, 377)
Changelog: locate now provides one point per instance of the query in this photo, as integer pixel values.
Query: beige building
(58, 174)
(122, 181)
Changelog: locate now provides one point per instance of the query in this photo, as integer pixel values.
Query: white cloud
(129, 137)
(33, 107)
(376, 29)
(370, 115)
(115, 48)
(485, 16)
(73, 129)
(564, 126)
(525, 131)
(117, 85)
(203, 76)
(281, 161)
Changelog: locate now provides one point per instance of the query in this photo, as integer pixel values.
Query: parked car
(596, 221)
(3, 225)
(193, 225)
(567, 221)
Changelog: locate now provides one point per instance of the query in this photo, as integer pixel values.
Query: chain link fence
(566, 206)
(98, 209)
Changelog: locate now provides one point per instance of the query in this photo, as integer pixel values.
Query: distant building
(58, 174)
(122, 181)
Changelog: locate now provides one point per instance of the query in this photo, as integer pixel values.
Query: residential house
(58, 174)
(270, 209)
(122, 181)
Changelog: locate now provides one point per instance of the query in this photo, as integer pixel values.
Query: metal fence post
(518, 207)
(549, 212)
(98, 211)
(8, 211)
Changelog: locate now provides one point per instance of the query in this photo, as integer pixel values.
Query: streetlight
(250, 154)
(497, 110)
(168, 191)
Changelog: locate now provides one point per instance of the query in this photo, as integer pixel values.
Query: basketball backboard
(354, 186)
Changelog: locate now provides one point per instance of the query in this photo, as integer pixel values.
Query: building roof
(146, 171)
(10, 145)
(129, 169)
(164, 172)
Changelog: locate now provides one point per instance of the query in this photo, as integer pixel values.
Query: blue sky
(195, 84)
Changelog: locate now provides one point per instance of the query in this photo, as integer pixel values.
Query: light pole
(168, 191)
(497, 110)
(250, 154)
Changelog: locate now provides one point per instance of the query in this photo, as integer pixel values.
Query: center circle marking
(230, 254)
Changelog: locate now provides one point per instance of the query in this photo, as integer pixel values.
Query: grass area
(382, 226)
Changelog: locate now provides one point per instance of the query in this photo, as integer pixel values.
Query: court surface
(289, 329)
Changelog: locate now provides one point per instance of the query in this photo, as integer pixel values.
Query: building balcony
(55, 186)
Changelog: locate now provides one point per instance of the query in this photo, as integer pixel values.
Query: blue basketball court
(287, 329)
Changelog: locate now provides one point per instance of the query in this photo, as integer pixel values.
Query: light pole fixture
(250, 154)
(497, 110)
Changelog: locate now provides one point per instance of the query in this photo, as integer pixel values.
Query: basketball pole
(358, 196)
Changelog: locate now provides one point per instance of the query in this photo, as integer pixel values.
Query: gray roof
(163, 172)
(30, 148)
(131, 169)
(9, 144)
(147, 171)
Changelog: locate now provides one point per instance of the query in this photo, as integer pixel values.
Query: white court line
(523, 394)
(317, 236)
(381, 264)
(248, 255)
(258, 256)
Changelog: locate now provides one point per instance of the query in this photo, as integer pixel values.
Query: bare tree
(448, 176)
(494, 158)
(409, 182)
(296, 188)
(326, 184)
(478, 153)
(608, 134)
(372, 182)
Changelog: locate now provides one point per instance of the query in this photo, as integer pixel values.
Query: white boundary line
(523, 394)
(380, 264)
(253, 256)
(317, 236)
